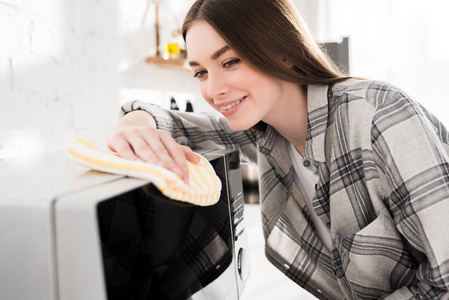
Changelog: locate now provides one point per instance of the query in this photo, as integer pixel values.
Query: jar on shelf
(174, 46)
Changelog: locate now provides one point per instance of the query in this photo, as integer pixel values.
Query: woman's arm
(136, 136)
(413, 153)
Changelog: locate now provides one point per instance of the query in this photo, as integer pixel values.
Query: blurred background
(67, 66)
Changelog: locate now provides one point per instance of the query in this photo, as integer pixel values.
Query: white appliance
(67, 233)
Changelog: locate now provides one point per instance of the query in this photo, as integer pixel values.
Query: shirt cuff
(162, 117)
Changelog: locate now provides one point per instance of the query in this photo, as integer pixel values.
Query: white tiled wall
(66, 66)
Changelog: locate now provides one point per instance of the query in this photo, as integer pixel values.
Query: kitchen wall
(399, 41)
(66, 66)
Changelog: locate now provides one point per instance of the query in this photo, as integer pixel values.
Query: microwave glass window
(157, 248)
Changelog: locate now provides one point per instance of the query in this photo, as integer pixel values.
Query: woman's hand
(136, 138)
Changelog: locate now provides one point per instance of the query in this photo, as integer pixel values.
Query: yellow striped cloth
(203, 189)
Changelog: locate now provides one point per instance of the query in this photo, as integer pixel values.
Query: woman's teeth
(229, 106)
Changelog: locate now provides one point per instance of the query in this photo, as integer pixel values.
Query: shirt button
(306, 163)
(328, 224)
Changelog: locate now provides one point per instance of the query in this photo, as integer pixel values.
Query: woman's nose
(216, 85)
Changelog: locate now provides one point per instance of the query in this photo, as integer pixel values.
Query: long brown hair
(264, 33)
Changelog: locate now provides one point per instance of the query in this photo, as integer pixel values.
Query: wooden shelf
(179, 64)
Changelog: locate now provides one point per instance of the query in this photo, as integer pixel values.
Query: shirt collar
(317, 123)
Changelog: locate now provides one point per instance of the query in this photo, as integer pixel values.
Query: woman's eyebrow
(219, 52)
(214, 56)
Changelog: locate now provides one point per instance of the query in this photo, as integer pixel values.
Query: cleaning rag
(203, 189)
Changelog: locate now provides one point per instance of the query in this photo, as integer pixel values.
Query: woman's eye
(231, 63)
(200, 74)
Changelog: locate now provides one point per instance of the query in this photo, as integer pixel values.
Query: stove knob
(243, 263)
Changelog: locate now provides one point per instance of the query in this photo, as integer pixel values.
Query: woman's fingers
(164, 152)
(119, 143)
(153, 146)
(177, 153)
(190, 155)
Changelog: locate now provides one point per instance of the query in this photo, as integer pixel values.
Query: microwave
(68, 233)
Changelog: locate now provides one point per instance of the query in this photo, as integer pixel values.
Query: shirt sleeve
(199, 130)
(411, 149)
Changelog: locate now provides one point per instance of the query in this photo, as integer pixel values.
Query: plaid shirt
(383, 190)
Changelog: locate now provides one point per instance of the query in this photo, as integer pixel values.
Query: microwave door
(157, 248)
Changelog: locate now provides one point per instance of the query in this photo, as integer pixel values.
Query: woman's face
(240, 93)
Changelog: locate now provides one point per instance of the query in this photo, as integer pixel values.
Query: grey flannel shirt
(383, 191)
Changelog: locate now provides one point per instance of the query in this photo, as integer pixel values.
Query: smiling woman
(342, 161)
(233, 88)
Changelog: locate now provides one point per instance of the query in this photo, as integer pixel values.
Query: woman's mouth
(231, 105)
